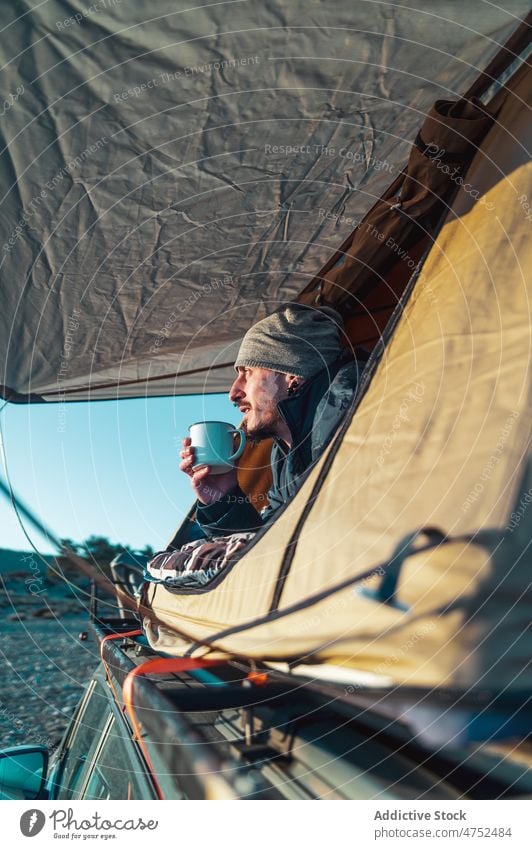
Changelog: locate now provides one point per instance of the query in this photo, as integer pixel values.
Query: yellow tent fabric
(441, 438)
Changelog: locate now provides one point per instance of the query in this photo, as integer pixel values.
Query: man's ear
(293, 382)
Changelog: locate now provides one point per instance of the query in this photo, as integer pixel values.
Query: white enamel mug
(213, 445)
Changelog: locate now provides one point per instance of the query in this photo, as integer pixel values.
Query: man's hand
(208, 488)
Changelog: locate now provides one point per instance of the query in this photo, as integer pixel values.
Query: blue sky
(107, 468)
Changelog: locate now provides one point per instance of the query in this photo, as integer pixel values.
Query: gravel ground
(45, 667)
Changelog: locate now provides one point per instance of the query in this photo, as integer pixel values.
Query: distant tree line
(100, 551)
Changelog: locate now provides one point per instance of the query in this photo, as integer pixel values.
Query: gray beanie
(295, 339)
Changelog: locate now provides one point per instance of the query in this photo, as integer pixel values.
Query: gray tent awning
(171, 174)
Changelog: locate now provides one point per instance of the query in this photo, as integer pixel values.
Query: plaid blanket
(196, 563)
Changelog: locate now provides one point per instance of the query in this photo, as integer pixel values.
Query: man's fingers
(186, 465)
(202, 484)
(198, 477)
(186, 454)
(200, 474)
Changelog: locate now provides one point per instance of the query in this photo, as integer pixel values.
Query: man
(295, 381)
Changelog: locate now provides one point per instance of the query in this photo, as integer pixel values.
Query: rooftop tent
(169, 179)
(424, 496)
(160, 198)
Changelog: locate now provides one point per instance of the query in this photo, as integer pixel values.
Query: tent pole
(509, 52)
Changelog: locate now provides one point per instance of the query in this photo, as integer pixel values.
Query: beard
(264, 430)
(259, 434)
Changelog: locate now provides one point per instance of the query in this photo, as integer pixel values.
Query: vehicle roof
(307, 738)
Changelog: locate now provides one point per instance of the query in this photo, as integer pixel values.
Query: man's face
(257, 391)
